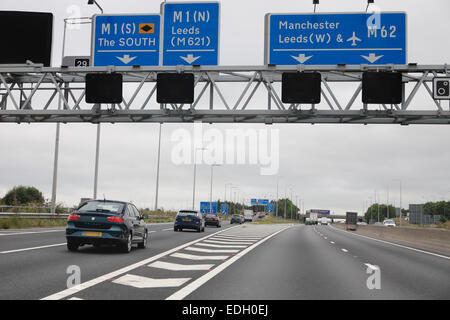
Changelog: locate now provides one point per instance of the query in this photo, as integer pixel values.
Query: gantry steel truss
(32, 93)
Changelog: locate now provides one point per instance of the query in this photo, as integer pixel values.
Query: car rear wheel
(126, 247)
(72, 245)
(143, 244)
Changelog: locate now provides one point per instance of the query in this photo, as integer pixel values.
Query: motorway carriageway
(233, 262)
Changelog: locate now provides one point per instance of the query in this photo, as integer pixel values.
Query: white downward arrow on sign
(126, 58)
(372, 57)
(190, 58)
(301, 58)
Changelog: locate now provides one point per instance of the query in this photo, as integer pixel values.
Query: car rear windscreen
(93, 206)
(26, 36)
(187, 213)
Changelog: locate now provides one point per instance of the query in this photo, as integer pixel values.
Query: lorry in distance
(351, 219)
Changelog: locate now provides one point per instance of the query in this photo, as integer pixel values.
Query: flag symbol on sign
(146, 28)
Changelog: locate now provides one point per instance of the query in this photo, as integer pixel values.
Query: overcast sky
(336, 167)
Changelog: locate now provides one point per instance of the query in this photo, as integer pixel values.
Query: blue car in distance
(99, 222)
(189, 219)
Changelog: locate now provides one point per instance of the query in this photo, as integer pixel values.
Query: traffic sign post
(123, 40)
(331, 39)
(190, 33)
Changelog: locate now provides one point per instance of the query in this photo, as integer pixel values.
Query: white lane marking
(219, 245)
(345, 250)
(82, 286)
(180, 267)
(30, 232)
(240, 237)
(325, 238)
(196, 257)
(194, 285)
(144, 282)
(332, 242)
(229, 242)
(233, 240)
(75, 298)
(34, 248)
(151, 231)
(396, 245)
(211, 250)
(167, 229)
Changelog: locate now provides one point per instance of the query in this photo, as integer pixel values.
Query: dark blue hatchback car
(99, 222)
(189, 219)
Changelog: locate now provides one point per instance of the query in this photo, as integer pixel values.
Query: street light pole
(211, 187)
(195, 170)
(157, 168)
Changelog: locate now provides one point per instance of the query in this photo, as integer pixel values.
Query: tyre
(175, 229)
(143, 244)
(126, 247)
(72, 245)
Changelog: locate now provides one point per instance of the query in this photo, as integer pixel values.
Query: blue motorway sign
(259, 202)
(335, 38)
(224, 209)
(319, 211)
(123, 40)
(205, 207)
(190, 33)
(270, 207)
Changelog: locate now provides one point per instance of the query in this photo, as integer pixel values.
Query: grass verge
(21, 223)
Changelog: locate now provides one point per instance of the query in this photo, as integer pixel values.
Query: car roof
(104, 200)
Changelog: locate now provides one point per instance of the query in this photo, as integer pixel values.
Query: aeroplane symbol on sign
(354, 38)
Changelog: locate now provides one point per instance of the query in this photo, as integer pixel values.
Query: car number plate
(92, 234)
(187, 220)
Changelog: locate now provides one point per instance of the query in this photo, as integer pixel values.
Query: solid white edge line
(30, 232)
(394, 244)
(82, 286)
(33, 248)
(191, 287)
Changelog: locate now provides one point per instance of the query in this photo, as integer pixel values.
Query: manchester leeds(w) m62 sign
(330, 39)
(123, 40)
(190, 33)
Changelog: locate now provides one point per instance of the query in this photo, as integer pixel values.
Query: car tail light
(73, 217)
(115, 219)
(216, 218)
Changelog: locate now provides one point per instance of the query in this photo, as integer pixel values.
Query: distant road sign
(190, 33)
(319, 211)
(334, 38)
(205, 207)
(123, 40)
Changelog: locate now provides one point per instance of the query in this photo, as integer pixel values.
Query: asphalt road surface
(233, 262)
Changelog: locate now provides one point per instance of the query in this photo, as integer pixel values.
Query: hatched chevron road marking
(180, 267)
(144, 282)
(221, 235)
(211, 250)
(219, 245)
(196, 257)
(228, 242)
